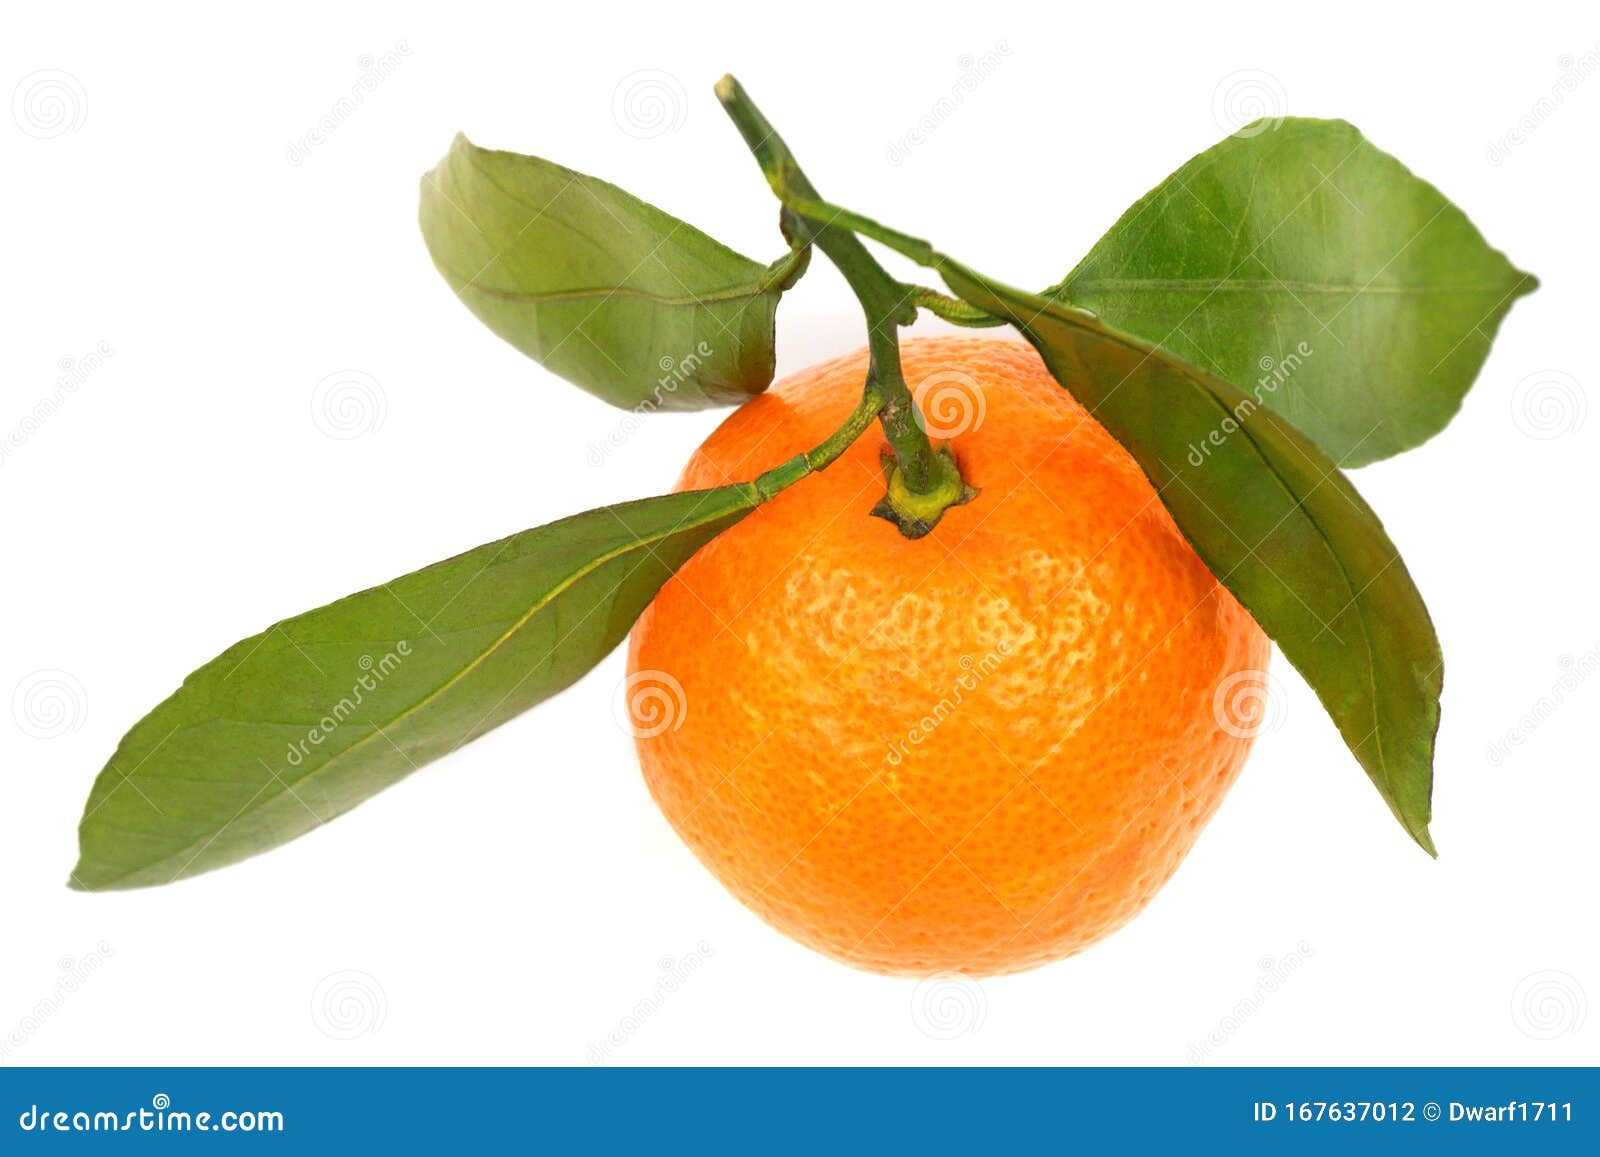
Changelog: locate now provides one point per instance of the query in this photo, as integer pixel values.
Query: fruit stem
(821, 456)
(887, 302)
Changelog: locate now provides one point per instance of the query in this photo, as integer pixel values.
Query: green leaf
(1275, 520)
(300, 723)
(628, 302)
(1317, 273)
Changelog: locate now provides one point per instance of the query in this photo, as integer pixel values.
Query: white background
(516, 903)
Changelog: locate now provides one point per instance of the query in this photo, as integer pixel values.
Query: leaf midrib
(1236, 285)
(1349, 582)
(747, 291)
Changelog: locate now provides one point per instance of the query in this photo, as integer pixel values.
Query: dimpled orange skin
(979, 751)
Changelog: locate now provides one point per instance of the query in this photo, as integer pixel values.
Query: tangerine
(980, 750)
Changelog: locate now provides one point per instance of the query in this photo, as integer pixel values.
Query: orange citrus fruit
(980, 750)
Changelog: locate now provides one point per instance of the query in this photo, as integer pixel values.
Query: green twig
(887, 303)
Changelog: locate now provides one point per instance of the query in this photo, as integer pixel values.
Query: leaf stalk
(823, 454)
